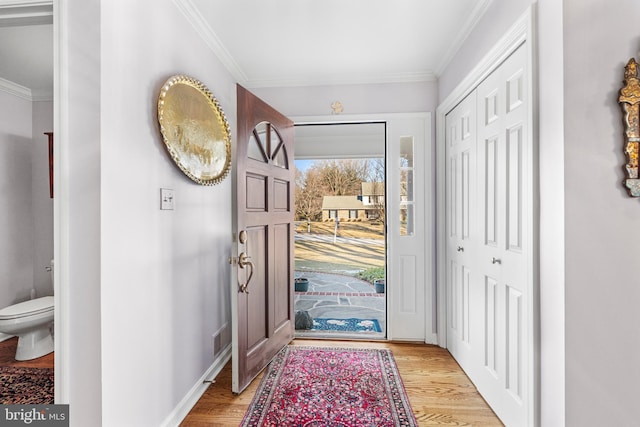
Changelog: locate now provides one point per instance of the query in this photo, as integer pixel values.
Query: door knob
(495, 260)
(243, 261)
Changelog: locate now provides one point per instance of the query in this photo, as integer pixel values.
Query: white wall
(165, 278)
(497, 20)
(602, 222)
(552, 218)
(16, 218)
(500, 15)
(42, 204)
(77, 210)
(146, 289)
(355, 99)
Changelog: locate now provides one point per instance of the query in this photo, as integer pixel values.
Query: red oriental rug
(337, 387)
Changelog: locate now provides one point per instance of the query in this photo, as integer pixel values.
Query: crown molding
(210, 38)
(25, 12)
(42, 96)
(15, 89)
(346, 79)
(199, 23)
(466, 29)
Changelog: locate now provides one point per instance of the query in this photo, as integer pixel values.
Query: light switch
(166, 199)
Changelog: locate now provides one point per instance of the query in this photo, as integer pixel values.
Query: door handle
(460, 249)
(243, 261)
(495, 260)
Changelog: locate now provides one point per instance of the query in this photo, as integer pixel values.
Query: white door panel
(462, 236)
(504, 257)
(490, 210)
(409, 287)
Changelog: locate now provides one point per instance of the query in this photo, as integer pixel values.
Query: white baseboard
(191, 398)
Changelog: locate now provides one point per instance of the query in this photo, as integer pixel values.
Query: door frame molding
(429, 238)
(61, 214)
(522, 32)
(519, 33)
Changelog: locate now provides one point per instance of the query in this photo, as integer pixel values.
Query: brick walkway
(343, 294)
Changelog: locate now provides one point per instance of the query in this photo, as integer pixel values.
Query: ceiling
(340, 140)
(26, 48)
(277, 42)
(309, 42)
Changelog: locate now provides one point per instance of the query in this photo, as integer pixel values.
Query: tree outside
(341, 241)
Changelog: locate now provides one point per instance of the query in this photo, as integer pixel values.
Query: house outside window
(353, 213)
(333, 213)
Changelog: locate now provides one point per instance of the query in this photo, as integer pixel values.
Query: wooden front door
(262, 295)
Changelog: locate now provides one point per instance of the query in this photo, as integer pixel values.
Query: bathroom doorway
(26, 250)
(340, 242)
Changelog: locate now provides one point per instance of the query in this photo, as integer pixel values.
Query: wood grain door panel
(264, 193)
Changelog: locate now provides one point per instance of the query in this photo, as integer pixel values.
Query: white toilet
(31, 322)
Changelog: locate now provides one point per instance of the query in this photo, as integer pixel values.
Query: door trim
(429, 186)
(521, 32)
(60, 204)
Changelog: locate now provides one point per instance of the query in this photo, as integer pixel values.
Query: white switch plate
(166, 199)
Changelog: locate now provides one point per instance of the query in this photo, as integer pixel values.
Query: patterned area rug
(346, 325)
(337, 387)
(26, 385)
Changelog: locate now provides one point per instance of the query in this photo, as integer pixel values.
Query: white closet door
(489, 240)
(462, 233)
(505, 252)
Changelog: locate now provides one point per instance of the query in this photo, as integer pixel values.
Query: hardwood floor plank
(439, 391)
(8, 353)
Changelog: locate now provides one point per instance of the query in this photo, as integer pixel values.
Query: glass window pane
(406, 220)
(280, 158)
(275, 140)
(257, 149)
(406, 152)
(254, 151)
(406, 186)
(261, 130)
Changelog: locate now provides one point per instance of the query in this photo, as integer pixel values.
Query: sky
(303, 165)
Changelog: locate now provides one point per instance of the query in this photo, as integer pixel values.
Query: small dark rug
(337, 387)
(26, 385)
(346, 325)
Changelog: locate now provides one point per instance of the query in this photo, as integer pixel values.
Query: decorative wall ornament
(194, 129)
(630, 103)
(336, 107)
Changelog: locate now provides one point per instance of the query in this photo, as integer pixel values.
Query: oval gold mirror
(195, 130)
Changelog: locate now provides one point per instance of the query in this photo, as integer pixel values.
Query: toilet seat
(27, 308)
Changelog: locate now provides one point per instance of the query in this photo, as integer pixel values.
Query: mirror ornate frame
(194, 129)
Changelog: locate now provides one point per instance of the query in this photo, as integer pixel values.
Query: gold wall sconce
(629, 101)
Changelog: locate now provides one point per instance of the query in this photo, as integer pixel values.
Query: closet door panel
(504, 199)
(462, 284)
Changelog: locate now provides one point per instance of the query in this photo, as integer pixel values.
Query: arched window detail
(266, 139)
(257, 149)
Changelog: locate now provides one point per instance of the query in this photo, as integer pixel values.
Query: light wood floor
(439, 391)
